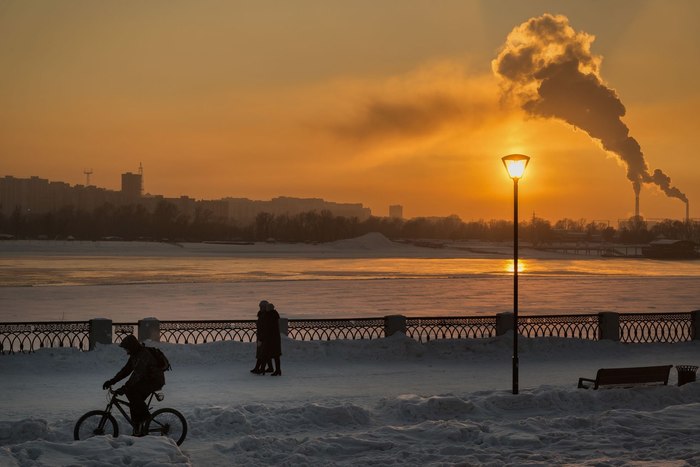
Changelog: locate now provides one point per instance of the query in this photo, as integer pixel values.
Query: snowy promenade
(383, 402)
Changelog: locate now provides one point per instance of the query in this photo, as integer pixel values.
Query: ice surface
(369, 276)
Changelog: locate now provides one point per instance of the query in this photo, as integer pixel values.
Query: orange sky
(376, 102)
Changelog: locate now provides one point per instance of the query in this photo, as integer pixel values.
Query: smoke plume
(549, 69)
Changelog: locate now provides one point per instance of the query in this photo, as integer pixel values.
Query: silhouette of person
(260, 358)
(146, 377)
(272, 340)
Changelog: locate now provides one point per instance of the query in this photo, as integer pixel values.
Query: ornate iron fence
(200, 332)
(327, 329)
(121, 330)
(633, 328)
(656, 327)
(572, 326)
(29, 337)
(426, 329)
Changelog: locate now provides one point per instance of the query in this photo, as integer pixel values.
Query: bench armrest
(581, 380)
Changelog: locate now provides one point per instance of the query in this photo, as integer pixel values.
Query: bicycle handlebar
(113, 392)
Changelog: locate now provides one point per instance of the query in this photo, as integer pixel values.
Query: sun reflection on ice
(509, 266)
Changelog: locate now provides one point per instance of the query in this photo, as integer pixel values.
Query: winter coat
(270, 329)
(259, 325)
(143, 368)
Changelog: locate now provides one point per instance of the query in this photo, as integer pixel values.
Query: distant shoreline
(367, 246)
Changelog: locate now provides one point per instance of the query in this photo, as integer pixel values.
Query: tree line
(167, 223)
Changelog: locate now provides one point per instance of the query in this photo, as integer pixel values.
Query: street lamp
(515, 165)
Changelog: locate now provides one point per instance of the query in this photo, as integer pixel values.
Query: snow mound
(24, 430)
(98, 451)
(259, 419)
(370, 241)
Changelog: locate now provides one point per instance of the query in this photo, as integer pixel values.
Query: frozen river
(370, 277)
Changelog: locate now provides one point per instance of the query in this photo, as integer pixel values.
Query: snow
(386, 401)
(391, 401)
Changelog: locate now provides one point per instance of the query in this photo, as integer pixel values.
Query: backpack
(160, 358)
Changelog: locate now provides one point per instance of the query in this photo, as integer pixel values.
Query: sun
(508, 266)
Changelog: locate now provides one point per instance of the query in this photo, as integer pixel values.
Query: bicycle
(163, 422)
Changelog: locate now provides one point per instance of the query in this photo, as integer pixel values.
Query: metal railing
(331, 329)
(201, 332)
(632, 328)
(655, 327)
(572, 326)
(28, 337)
(121, 330)
(426, 329)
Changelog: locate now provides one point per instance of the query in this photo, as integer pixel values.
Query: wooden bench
(627, 377)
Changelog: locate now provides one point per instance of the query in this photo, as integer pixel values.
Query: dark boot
(138, 427)
(278, 371)
(259, 365)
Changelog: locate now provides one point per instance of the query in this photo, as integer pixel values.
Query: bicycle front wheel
(168, 422)
(95, 423)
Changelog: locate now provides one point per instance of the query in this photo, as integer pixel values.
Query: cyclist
(146, 377)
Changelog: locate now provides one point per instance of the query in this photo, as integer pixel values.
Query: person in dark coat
(260, 358)
(146, 377)
(272, 340)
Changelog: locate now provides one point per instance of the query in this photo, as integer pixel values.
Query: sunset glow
(392, 103)
(509, 266)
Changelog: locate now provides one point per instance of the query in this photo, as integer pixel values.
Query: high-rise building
(396, 211)
(132, 185)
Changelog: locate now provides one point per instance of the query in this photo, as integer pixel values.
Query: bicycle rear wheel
(95, 423)
(168, 422)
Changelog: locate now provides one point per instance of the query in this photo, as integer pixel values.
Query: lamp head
(515, 165)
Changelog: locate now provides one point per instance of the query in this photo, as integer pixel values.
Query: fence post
(609, 325)
(284, 326)
(504, 322)
(695, 324)
(149, 329)
(100, 332)
(393, 324)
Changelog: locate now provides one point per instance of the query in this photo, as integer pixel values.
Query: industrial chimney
(687, 212)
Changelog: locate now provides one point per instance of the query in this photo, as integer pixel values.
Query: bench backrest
(634, 375)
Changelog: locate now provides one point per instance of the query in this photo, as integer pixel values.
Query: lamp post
(515, 165)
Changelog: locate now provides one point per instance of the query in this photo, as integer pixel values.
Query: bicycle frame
(114, 401)
(164, 421)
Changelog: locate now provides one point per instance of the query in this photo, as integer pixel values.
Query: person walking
(261, 359)
(272, 340)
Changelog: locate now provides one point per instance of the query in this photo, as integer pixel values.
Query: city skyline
(398, 103)
(37, 196)
(277, 204)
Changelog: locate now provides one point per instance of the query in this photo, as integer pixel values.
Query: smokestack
(687, 212)
(549, 70)
(636, 205)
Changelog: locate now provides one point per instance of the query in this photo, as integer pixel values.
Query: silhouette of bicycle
(163, 422)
